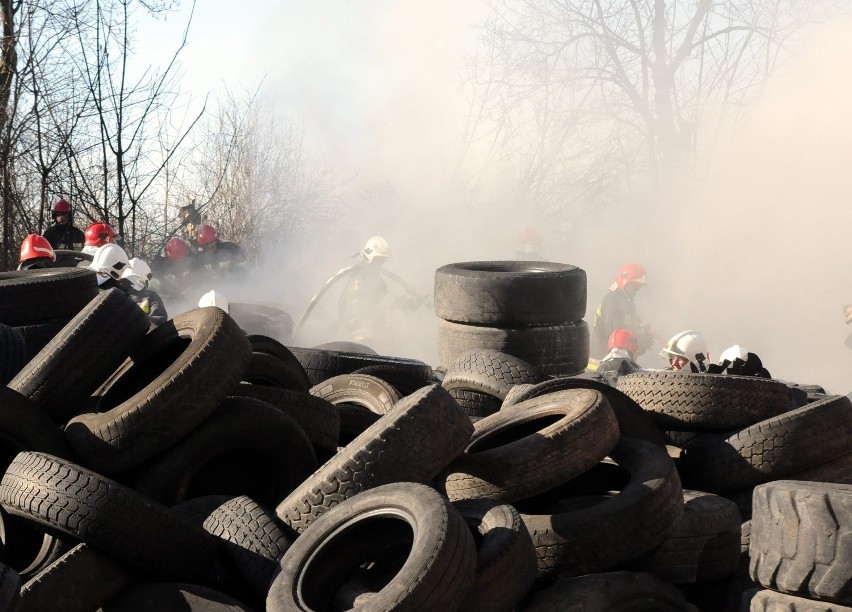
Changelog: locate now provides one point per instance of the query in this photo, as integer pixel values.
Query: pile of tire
(194, 466)
(530, 311)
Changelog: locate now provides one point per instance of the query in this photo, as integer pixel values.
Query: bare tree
(591, 99)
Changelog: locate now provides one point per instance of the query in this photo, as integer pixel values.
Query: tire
(815, 434)
(506, 561)
(246, 447)
(83, 579)
(319, 418)
(92, 346)
(421, 554)
(633, 420)
(320, 365)
(532, 447)
(704, 544)
(695, 402)
(358, 389)
(27, 296)
(342, 346)
(620, 528)
(771, 601)
(13, 353)
(258, 319)
(405, 381)
(153, 399)
(475, 404)
(37, 335)
(510, 293)
(110, 517)
(271, 346)
(173, 596)
(558, 350)
(354, 420)
(612, 591)
(267, 370)
(249, 534)
(414, 442)
(801, 539)
(489, 372)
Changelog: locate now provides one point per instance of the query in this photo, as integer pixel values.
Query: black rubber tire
(271, 346)
(354, 420)
(838, 471)
(490, 372)
(611, 591)
(110, 517)
(83, 579)
(173, 596)
(413, 442)
(695, 402)
(37, 335)
(771, 601)
(510, 293)
(633, 420)
(817, 433)
(618, 530)
(27, 296)
(421, 552)
(319, 418)
(246, 447)
(704, 545)
(259, 319)
(505, 562)
(264, 369)
(13, 353)
(10, 587)
(404, 380)
(359, 389)
(320, 365)
(475, 404)
(91, 346)
(557, 350)
(532, 447)
(155, 398)
(249, 534)
(801, 539)
(344, 346)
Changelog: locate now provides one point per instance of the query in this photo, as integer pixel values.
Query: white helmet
(686, 344)
(214, 298)
(109, 261)
(137, 282)
(141, 269)
(375, 247)
(733, 353)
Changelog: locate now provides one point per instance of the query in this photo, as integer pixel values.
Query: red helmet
(624, 338)
(36, 247)
(176, 248)
(207, 234)
(99, 234)
(62, 207)
(631, 273)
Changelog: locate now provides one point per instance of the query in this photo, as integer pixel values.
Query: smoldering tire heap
(195, 467)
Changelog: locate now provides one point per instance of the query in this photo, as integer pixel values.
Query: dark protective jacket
(151, 304)
(224, 258)
(65, 237)
(616, 311)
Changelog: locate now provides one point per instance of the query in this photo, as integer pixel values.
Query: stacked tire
(528, 309)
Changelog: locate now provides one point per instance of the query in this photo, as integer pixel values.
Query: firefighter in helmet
(135, 280)
(62, 234)
(217, 255)
(97, 235)
(617, 311)
(36, 252)
(686, 352)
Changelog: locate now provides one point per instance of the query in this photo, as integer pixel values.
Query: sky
(758, 258)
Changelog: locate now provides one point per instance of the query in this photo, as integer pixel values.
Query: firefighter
(217, 255)
(173, 267)
(97, 235)
(621, 358)
(109, 262)
(62, 234)
(617, 311)
(36, 252)
(135, 279)
(687, 352)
